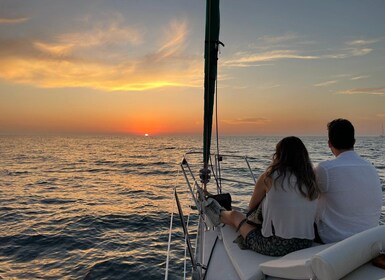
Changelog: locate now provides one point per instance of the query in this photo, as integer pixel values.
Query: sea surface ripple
(98, 207)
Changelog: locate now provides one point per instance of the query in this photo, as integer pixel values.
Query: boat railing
(220, 166)
(219, 171)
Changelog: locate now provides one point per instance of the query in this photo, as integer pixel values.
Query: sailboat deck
(228, 261)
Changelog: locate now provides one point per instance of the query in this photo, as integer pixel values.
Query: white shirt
(351, 197)
(290, 213)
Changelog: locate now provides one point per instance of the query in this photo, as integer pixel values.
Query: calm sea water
(99, 207)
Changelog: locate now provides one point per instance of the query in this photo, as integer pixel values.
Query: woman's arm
(261, 188)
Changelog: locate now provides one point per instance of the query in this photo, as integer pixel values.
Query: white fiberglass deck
(230, 262)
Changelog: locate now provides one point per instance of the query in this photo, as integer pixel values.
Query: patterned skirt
(273, 245)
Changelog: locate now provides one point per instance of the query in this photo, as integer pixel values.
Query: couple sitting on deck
(300, 205)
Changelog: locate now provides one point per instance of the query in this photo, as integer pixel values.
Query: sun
(146, 135)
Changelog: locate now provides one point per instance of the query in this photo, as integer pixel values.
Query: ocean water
(98, 207)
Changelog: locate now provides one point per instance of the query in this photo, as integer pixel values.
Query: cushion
(245, 262)
(337, 261)
(367, 271)
(295, 265)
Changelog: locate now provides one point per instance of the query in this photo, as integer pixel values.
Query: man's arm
(322, 178)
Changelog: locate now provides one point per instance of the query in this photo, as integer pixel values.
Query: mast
(211, 64)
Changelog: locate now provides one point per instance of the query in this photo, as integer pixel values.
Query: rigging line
(192, 200)
(214, 170)
(185, 231)
(171, 225)
(208, 73)
(169, 237)
(217, 132)
(211, 254)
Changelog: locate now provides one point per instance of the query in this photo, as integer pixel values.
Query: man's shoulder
(327, 163)
(345, 160)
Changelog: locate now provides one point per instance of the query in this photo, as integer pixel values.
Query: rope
(217, 131)
(211, 254)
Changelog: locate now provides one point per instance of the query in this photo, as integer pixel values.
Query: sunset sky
(136, 67)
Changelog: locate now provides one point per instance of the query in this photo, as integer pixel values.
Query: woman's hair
(292, 157)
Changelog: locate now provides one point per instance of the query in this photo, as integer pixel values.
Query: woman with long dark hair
(287, 194)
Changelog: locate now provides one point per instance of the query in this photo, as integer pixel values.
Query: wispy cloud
(272, 40)
(83, 59)
(359, 77)
(112, 34)
(250, 59)
(54, 49)
(359, 47)
(361, 51)
(291, 46)
(254, 121)
(369, 91)
(362, 42)
(325, 84)
(341, 76)
(13, 20)
(292, 50)
(271, 86)
(284, 41)
(173, 39)
(238, 64)
(347, 52)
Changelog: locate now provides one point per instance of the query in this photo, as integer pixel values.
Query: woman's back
(286, 212)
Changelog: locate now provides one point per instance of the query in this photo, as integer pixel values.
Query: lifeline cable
(219, 183)
(211, 254)
(169, 238)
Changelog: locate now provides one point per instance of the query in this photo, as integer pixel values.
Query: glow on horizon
(119, 68)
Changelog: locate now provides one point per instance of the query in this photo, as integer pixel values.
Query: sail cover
(211, 61)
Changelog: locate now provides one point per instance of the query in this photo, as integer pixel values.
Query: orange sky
(120, 68)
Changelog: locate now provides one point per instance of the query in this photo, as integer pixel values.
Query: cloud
(358, 47)
(359, 77)
(13, 20)
(284, 41)
(325, 84)
(250, 59)
(112, 34)
(362, 42)
(254, 121)
(349, 52)
(238, 64)
(369, 91)
(381, 115)
(332, 82)
(288, 46)
(173, 39)
(97, 62)
(271, 86)
(278, 39)
(361, 52)
(54, 49)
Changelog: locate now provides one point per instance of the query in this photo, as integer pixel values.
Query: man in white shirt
(351, 194)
